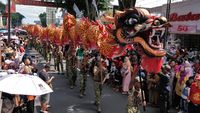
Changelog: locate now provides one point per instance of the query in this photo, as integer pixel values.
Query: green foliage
(126, 4)
(17, 19)
(2, 7)
(103, 4)
(2, 10)
(43, 19)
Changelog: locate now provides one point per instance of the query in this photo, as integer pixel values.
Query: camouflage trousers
(131, 109)
(83, 80)
(59, 65)
(55, 62)
(130, 104)
(44, 54)
(67, 68)
(98, 92)
(39, 48)
(48, 57)
(72, 74)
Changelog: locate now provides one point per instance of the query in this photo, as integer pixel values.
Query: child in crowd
(184, 97)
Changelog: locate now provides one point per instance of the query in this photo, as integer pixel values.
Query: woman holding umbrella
(27, 69)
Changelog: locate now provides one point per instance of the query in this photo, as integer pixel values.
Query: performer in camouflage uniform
(72, 68)
(79, 55)
(83, 75)
(99, 75)
(49, 52)
(59, 58)
(66, 55)
(46, 53)
(135, 98)
(55, 51)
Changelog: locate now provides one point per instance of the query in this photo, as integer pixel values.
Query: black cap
(47, 66)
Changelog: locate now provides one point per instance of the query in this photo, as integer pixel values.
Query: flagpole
(9, 14)
(0, 69)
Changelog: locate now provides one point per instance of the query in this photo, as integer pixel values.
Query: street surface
(66, 100)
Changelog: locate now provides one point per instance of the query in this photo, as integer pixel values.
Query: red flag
(152, 64)
(12, 7)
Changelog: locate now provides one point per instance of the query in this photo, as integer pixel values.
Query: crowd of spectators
(172, 85)
(178, 80)
(15, 59)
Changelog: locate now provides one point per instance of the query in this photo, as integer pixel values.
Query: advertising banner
(178, 28)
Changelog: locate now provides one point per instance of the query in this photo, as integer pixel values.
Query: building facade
(185, 21)
(51, 15)
(1, 20)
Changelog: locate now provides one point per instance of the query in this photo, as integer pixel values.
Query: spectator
(153, 83)
(46, 78)
(27, 69)
(196, 66)
(135, 97)
(126, 74)
(182, 77)
(194, 96)
(184, 98)
(164, 89)
(188, 69)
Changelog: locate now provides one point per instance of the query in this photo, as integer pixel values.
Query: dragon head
(138, 26)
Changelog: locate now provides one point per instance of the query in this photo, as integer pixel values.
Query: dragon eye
(156, 22)
(131, 21)
(163, 19)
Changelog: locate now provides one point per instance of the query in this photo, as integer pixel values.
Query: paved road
(66, 100)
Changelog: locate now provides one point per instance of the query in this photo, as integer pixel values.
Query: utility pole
(168, 9)
(9, 15)
(87, 8)
(52, 17)
(168, 18)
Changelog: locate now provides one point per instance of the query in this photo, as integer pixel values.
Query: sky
(31, 12)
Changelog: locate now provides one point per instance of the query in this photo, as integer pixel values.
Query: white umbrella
(9, 61)
(24, 85)
(2, 74)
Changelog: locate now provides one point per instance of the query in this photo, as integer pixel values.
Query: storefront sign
(183, 29)
(188, 17)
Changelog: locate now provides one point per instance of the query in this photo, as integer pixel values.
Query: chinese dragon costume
(133, 28)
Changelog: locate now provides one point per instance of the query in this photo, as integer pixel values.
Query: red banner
(187, 17)
(38, 3)
(183, 28)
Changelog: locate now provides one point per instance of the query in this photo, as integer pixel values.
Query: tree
(86, 6)
(125, 4)
(2, 7)
(43, 17)
(2, 11)
(102, 5)
(17, 19)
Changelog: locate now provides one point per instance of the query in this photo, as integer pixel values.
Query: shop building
(185, 21)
